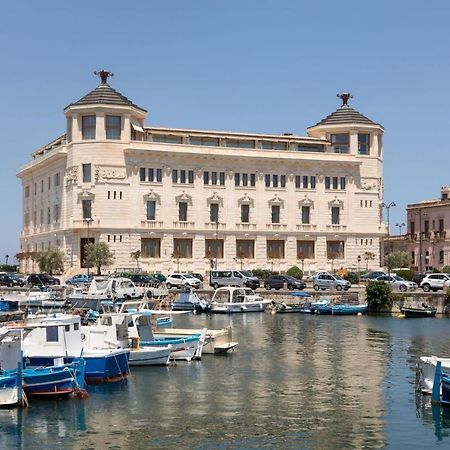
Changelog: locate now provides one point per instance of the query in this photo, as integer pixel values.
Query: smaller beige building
(428, 232)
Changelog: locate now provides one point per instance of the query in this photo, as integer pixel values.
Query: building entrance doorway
(83, 243)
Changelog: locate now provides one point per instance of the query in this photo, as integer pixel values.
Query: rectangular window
(213, 177)
(327, 182)
(159, 175)
(191, 177)
(305, 215)
(88, 127)
(269, 145)
(363, 144)
(245, 248)
(274, 180)
(412, 228)
(275, 213)
(41, 217)
(342, 183)
(182, 248)
(441, 256)
(214, 212)
(244, 179)
(245, 213)
(27, 191)
(56, 213)
(142, 174)
(86, 173)
(113, 127)
(166, 139)
(305, 250)
(151, 248)
(441, 225)
(35, 188)
(182, 176)
(49, 183)
(335, 182)
(239, 143)
(87, 209)
(298, 180)
(237, 179)
(283, 181)
(313, 182)
(69, 129)
(335, 213)
(222, 178)
(151, 175)
(252, 179)
(208, 141)
(56, 179)
(174, 176)
(305, 182)
(275, 249)
(42, 185)
(335, 249)
(151, 210)
(205, 177)
(267, 180)
(51, 334)
(316, 148)
(48, 216)
(182, 211)
(214, 248)
(340, 143)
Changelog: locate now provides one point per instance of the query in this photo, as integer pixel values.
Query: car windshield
(188, 275)
(396, 277)
(246, 273)
(337, 277)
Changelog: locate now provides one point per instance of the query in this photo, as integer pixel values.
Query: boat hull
(9, 390)
(232, 308)
(427, 369)
(414, 313)
(104, 365)
(181, 348)
(150, 356)
(348, 310)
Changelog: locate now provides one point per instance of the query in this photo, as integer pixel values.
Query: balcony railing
(214, 226)
(246, 226)
(306, 227)
(183, 224)
(276, 226)
(336, 227)
(151, 223)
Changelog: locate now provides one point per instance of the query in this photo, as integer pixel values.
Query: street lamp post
(400, 226)
(388, 207)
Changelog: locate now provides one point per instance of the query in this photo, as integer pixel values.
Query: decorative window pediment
(214, 199)
(306, 202)
(276, 201)
(86, 194)
(183, 198)
(246, 200)
(336, 202)
(152, 196)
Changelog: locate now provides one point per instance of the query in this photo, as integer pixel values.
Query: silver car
(398, 283)
(328, 281)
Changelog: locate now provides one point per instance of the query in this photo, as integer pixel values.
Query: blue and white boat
(188, 300)
(322, 307)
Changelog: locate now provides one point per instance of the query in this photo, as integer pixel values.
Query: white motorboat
(426, 369)
(237, 300)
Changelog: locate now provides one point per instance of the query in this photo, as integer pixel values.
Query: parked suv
(372, 276)
(79, 279)
(280, 281)
(8, 280)
(327, 281)
(41, 279)
(435, 281)
(180, 280)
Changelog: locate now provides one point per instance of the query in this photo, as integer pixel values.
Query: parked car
(243, 278)
(372, 276)
(199, 276)
(314, 275)
(435, 281)
(42, 279)
(327, 281)
(79, 279)
(139, 278)
(7, 280)
(280, 281)
(180, 280)
(398, 282)
(19, 277)
(418, 277)
(159, 276)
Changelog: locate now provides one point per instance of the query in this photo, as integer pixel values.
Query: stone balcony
(306, 227)
(336, 227)
(151, 224)
(214, 226)
(246, 226)
(276, 227)
(183, 225)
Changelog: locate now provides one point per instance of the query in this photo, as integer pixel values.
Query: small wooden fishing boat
(423, 311)
(348, 309)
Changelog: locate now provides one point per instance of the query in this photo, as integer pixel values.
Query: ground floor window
(151, 248)
(275, 249)
(245, 248)
(305, 250)
(182, 248)
(335, 249)
(214, 248)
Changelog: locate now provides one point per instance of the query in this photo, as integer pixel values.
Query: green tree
(368, 256)
(51, 260)
(378, 293)
(398, 259)
(98, 254)
(295, 272)
(445, 269)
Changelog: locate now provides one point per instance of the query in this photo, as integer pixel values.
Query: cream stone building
(193, 199)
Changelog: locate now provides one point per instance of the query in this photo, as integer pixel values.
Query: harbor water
(295, 381)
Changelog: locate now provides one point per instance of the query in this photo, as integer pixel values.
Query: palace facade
(193, 199)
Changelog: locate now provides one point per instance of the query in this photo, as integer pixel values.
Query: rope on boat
(120, 370)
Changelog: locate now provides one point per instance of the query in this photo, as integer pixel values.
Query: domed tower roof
(346, 115)
(105, 94)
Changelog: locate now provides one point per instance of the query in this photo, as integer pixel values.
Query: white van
(245, 278)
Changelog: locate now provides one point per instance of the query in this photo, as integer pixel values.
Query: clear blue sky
(261, 66)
